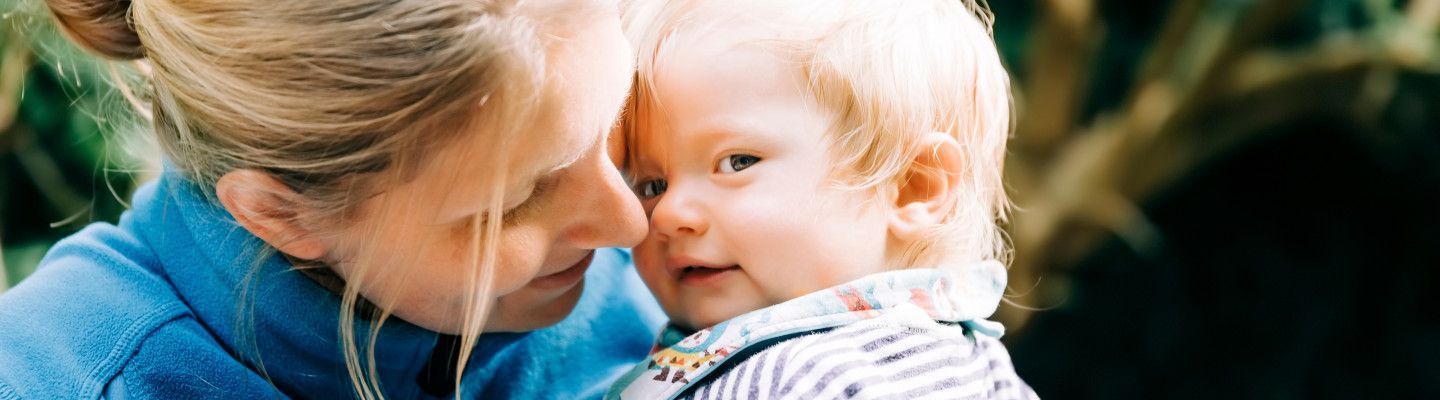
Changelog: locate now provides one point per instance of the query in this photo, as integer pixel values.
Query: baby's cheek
(763, 229)
(650, 262)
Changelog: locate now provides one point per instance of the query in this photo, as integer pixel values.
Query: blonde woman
(362, 198)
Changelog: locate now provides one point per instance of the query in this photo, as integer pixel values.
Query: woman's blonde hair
(335, 98)
(893, 71)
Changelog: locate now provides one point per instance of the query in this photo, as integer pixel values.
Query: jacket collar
(263, 310)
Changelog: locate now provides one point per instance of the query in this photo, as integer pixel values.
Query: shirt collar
(965, 295)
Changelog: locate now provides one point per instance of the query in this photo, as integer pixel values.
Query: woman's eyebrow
(590, 143)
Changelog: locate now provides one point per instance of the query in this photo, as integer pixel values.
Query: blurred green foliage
(68, 140)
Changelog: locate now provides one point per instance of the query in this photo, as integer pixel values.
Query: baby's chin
(697, 320)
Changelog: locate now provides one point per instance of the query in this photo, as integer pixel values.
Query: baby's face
(734, 171)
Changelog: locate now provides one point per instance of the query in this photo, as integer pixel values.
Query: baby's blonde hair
(893, 71)
(338, 99)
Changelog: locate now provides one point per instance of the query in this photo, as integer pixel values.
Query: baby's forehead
(728, 64)
(778, 26)
(717, 83)
(787, 19)
(721, 44)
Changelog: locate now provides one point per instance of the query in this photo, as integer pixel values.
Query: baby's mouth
(695, 275)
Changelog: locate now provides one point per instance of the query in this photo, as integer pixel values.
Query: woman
(378, 198)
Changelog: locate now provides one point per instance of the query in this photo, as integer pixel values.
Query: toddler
(823, 183)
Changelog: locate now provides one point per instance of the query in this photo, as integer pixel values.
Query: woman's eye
(537, 194)
(651, 188)
(736, 163)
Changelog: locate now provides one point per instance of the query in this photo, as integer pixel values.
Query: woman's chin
(528, 310)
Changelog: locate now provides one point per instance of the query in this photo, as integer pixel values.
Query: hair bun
(103, 26)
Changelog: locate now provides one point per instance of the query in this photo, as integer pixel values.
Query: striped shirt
(903, 355)
(913, 333)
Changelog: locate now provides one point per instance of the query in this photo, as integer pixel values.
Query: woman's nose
(609, 215)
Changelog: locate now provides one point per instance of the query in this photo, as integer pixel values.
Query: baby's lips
(676, 265)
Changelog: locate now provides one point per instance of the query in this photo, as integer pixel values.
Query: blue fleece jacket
(150, 309)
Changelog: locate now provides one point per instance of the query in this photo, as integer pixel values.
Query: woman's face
(563, 198)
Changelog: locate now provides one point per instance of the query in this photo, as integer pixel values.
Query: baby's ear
(929, 188)
(268, 208)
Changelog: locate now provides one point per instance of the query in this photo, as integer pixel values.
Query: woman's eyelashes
(509, 216)
(735, 163)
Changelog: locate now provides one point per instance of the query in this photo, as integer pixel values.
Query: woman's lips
(565, 278)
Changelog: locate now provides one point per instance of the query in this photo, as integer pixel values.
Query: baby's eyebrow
(631, 145)
(640, 162)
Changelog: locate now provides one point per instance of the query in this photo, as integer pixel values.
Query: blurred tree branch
(14, 63)
(1207, 88)
(45, 173)
(1064, 46)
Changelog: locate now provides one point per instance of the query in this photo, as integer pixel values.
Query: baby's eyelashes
(652, 187)
(648, 188)
(735, 163)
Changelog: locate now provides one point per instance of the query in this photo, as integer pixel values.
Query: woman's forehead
(467, 172)
(581, 96)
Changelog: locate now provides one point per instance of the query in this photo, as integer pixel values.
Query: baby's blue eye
(737, 163)
(651, 188)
